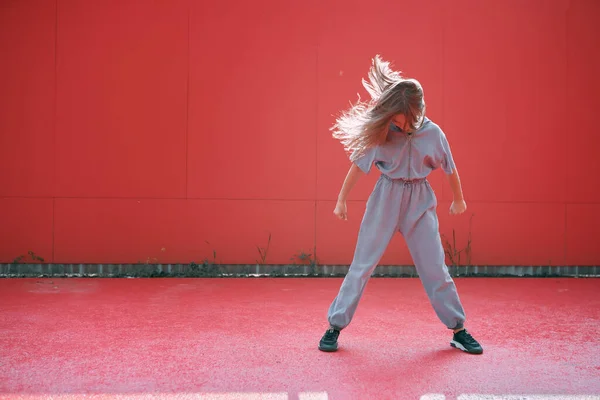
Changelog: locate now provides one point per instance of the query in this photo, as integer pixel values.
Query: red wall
(128, 127)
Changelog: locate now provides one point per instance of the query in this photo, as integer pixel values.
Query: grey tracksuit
(403, 201)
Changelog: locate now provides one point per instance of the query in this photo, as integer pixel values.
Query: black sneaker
(464, 341)
(329, 340)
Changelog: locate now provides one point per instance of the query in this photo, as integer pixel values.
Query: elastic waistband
(405, 181)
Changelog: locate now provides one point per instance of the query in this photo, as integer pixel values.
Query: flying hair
(365, 123)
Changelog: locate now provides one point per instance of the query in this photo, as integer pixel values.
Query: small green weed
(308, 259)
(450, 249)
(206, 268)
(263, 252)
(22, 259)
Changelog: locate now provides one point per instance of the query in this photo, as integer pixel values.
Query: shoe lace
(467, 337)
(330, 334)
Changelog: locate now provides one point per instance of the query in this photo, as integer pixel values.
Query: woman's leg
(425, 246)
(378, 226)
(420, 228)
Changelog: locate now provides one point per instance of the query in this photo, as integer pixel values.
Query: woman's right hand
(340, 210)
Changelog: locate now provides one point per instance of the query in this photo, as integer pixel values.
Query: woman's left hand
(458, 207)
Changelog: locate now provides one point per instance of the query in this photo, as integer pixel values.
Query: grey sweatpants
(410, 208)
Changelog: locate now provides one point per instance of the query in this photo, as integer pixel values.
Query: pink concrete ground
(257, 339)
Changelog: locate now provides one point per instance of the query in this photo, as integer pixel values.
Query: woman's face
(400, 121)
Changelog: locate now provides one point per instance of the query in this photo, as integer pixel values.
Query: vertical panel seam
(55, 125)
(566, 104)
(316, 135)
(443, 66)
(187, 99)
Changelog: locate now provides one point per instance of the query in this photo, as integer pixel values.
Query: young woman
(392, 132)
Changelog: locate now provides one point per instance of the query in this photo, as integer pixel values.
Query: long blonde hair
(365, 124)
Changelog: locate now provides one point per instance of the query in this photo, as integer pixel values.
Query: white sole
(459, 346)
(454, 343)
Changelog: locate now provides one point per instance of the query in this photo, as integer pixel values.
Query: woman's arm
(354, 173)
(458, 205)
(454, 180)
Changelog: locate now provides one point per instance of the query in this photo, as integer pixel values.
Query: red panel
(583, 85)
(351, 34)
(27, 79)
(509, 233)
(129, 231)
(117, 230)
(253, 100)
(122, 88)
(236, 227)
(583, 231)
(336, 239)
(26, 226)
(504, 98)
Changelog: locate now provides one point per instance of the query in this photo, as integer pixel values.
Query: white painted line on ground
(527, 397)
(313, 396)
(169, 396)
(153, 396)
(242, 396)
(275, 396)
